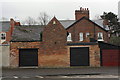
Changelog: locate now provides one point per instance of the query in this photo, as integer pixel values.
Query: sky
(62, 9)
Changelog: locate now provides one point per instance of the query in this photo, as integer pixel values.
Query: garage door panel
(110, 57)
(28, 57)
(79, 56)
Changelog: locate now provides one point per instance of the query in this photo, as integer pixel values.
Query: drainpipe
(94, 32)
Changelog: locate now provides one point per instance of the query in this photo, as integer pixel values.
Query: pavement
(76, 73)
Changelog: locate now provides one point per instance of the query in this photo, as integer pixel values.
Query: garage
(79, 56)
(28, 57)
(110, 57)
(109, 54)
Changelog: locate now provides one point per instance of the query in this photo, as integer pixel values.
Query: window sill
(100, 40)
(69, 41)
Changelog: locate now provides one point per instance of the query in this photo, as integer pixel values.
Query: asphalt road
(60, 73)
(65, 79)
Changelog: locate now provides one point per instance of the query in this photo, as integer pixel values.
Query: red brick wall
(14, 51)
(94, 54)
(54, 37)
(60, 58)
(54, 44)
(86, 26)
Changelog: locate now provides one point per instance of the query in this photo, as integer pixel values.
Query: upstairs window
(87, 34)
(100, 36)
(54, 22)
(69, 37)
(81, 36)
(3, 36)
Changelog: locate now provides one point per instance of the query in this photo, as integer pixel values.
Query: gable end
(89, 21)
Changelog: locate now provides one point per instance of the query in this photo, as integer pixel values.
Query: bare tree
(43, 18)
(30, 21)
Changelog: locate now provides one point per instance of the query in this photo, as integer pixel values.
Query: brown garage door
(110, 57)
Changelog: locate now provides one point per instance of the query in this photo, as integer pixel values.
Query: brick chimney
(83, 12)
(12, 24)
(105, 22)
(17, 24)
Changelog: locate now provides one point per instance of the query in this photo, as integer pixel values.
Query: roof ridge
(88, 20)
(66, 20)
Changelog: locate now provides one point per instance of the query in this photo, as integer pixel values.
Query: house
(6, 28)
(59, 43)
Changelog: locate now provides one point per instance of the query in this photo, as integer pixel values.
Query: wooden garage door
(28, 57)
(110, 57)
(79, 56)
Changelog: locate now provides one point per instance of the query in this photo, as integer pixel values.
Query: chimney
(17, 23)
(105, 22)
(12, 24)
(83, 12)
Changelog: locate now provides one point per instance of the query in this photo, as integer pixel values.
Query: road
(65, 79)
(81, 73)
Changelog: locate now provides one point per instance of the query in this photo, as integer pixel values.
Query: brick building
(7, 28)
(59, 43)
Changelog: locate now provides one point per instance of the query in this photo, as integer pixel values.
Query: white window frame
(69, 37)
(87, 34)
(3, 36)
(100, 33)
(80, 36)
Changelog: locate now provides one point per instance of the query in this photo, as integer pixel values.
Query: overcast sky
(62, 9)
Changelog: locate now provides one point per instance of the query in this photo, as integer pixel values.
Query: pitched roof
(100, 23)
(4, 26)
(27, 33)
(88, 20)
(66, 23)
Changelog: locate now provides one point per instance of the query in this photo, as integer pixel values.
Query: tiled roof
(88, 20)
(100, 23)
(4, 26)
(27, 33)
(67, 23)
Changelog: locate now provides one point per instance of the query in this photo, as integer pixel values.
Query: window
(100, 36)
(3, 36)
(69, 37)
(54, 22)
(81, 36)
(87, 34)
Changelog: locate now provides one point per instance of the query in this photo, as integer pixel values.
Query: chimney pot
(87, 8)
(80, 8)
(11, 19)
